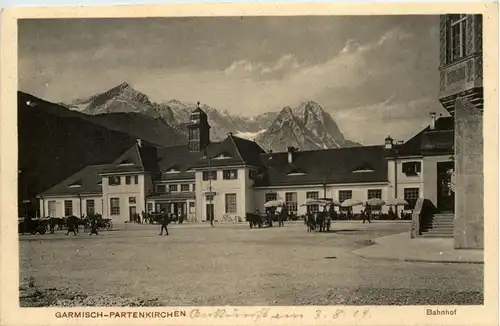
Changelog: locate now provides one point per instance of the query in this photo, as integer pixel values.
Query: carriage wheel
(43, 230)
(109, 226)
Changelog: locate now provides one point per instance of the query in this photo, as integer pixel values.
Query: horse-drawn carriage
(258, 220)
(33, 226)
(275, 212)
(320, 220)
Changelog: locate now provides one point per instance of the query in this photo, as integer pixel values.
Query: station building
(235, 176)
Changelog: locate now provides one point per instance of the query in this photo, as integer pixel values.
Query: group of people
(73, 223)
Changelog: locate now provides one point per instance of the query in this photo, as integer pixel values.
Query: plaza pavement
(398, 246)
(231, 264)
(401, 247)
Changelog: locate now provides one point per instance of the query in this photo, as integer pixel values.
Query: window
(192, 208)
(126, 162)
(222, 156)
(271, 196)
(161, 188)
(344, 195)
(194, 187)
(209, 197)
(128, 180)
(457, 34)
(68, 207)
(131, 200)
(90, 206)
(136, 179)
(229, 174)
(212, 174)
(114, 181)
(411, 168)
(291, 201)
(150, 207)
(230, 203)
(312, 195)
(52, 208)
(411, 195)
(185, 187)
(172, 188)
(194, 134)
(115, 206)
(375, 193)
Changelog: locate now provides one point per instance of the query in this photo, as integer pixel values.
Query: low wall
(423, 211)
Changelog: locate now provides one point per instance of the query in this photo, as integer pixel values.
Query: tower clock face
(195, 120)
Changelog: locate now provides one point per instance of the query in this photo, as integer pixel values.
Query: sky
(376, 75)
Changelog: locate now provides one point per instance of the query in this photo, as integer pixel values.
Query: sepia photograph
(301, 160)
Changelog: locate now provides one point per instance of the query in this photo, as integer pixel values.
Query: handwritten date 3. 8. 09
(341, 313)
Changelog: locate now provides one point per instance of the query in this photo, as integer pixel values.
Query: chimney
(433, 121)
(139, 142)
(291, 151)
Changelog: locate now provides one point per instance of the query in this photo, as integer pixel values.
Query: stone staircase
(439, 226)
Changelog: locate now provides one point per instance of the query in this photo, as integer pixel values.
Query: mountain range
(306, 127)
(60, 139)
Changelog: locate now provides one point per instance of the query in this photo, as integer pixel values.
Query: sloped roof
(239, 151)
(136, 159)
(88, 178)
(427, 141)
(320, 166)
(130, 161)
(179, 157)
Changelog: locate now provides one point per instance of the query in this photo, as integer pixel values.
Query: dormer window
(222, 156)
(190, 170)
(75, 185)
(172, 170)
(295, 172)
(363, 169)
(411, 168)
(125, 163)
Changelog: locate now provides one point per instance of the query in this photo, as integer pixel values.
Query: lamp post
(210, 191)
(389, 145)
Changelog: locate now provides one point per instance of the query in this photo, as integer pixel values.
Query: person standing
(165, 219)
(93, 227)
(71, 225)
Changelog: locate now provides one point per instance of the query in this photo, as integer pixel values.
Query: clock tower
(199, 130)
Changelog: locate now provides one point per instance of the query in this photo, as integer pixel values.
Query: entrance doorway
(445, 193)
(210, 212)
(132, 213)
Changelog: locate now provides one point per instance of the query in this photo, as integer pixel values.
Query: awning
(172, 197)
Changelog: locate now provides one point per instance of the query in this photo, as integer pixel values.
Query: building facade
(225, 180)
(461, 93)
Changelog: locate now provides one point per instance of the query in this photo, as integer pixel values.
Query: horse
(310, 221)
(254, 220)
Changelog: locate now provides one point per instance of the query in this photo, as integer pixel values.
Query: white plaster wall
(59, 204)
(332, 191)
(221, 188)
(123, 192)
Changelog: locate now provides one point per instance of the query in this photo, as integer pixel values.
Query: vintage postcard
(250, 164)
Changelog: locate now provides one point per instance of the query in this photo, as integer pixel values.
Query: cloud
(244, 69)
(402, 120)
(383, 81)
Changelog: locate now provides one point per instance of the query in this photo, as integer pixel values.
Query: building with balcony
(461, 94)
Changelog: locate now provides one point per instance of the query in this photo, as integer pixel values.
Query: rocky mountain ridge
(308, 126)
